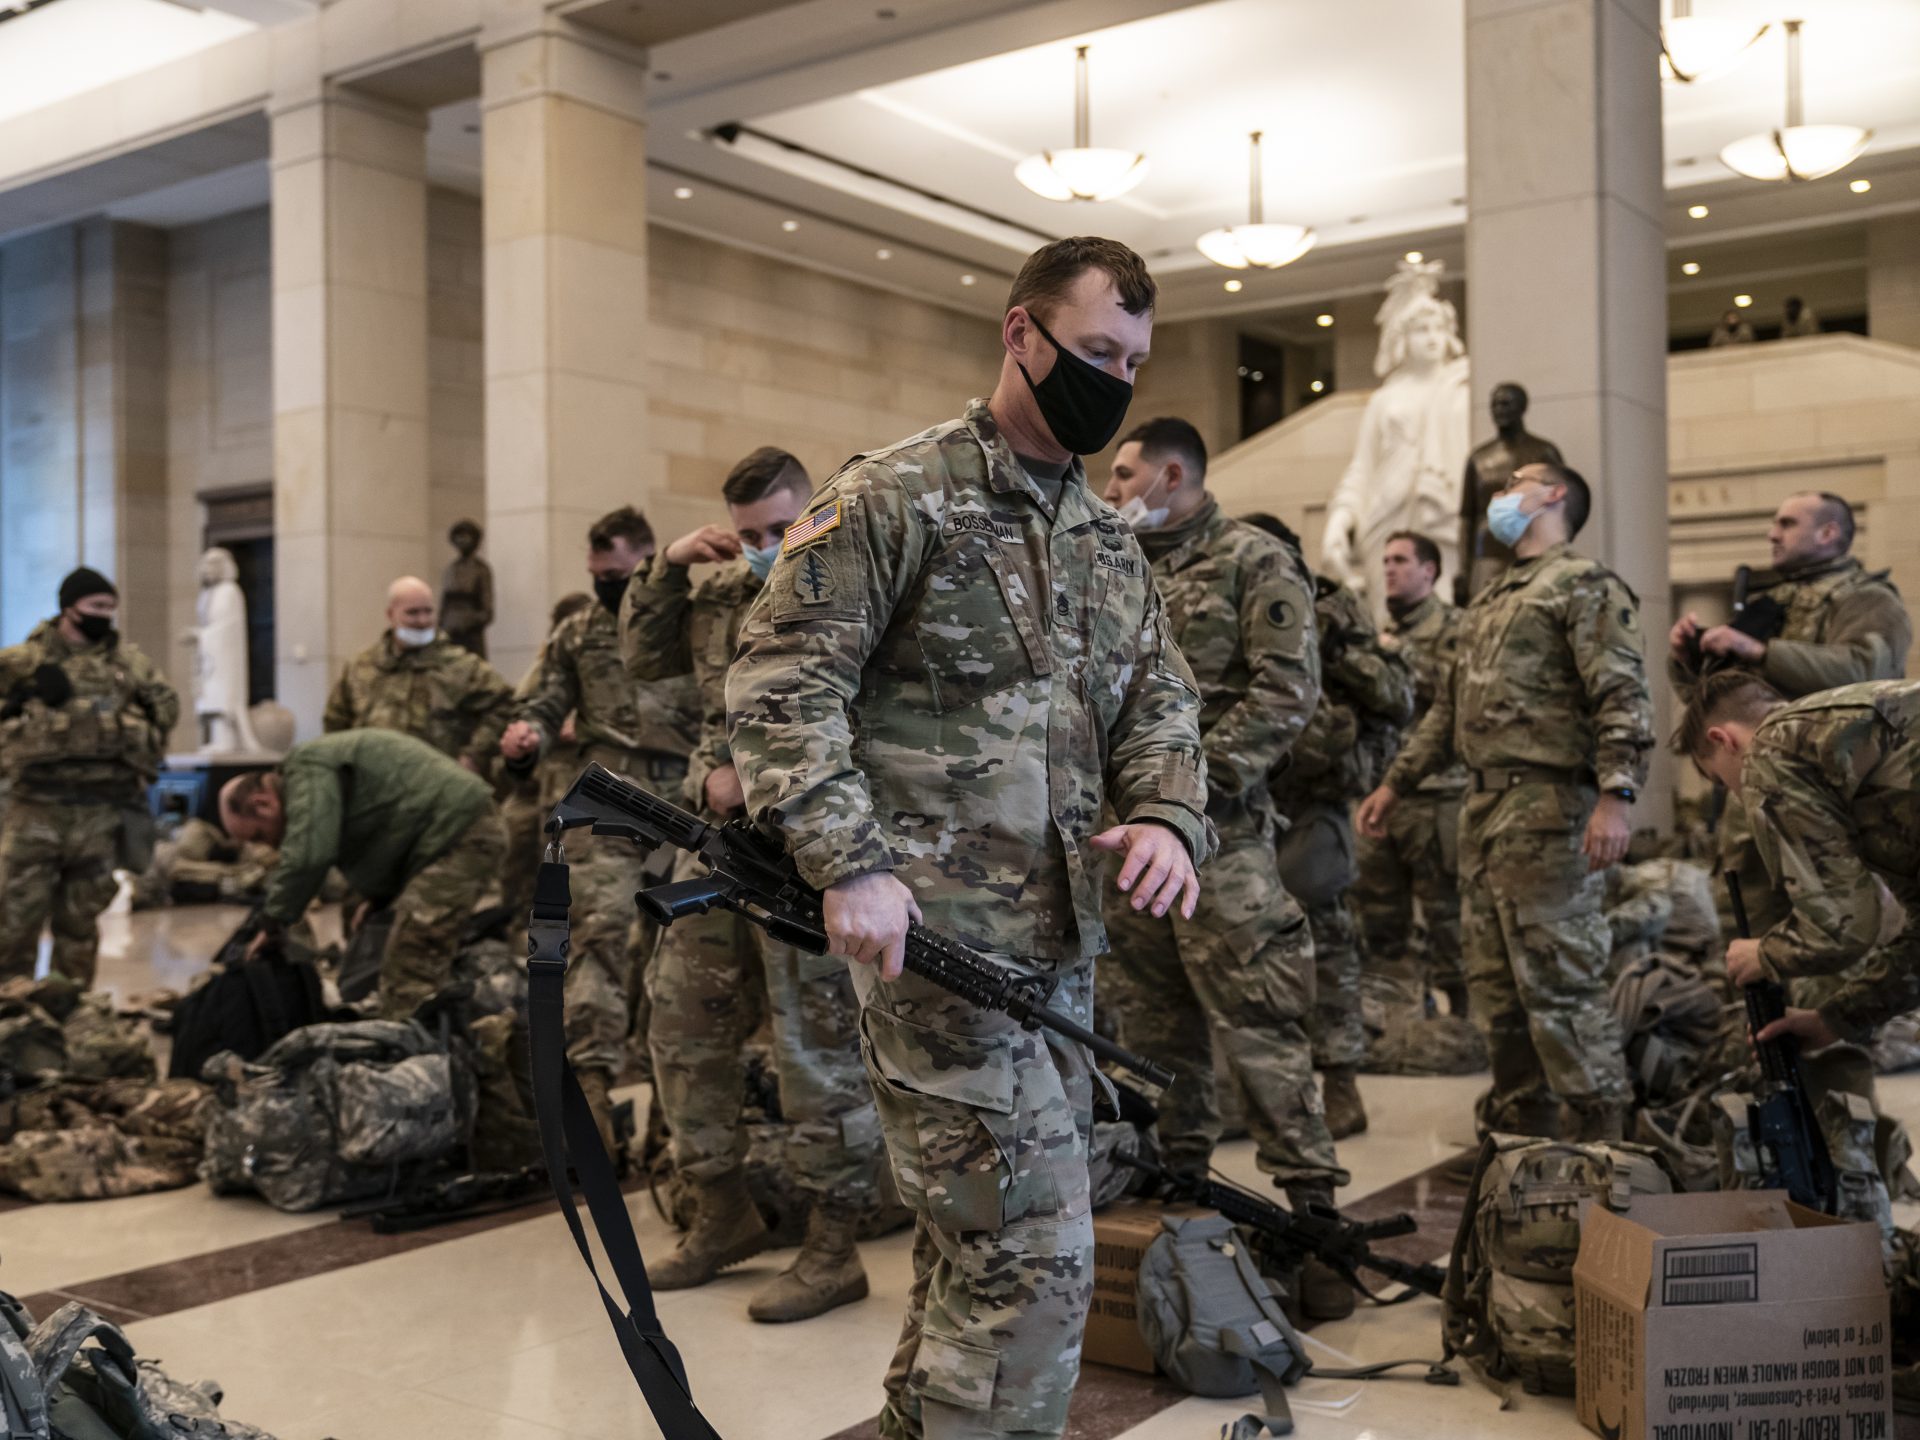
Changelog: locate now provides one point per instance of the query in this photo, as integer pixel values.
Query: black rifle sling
(569, 1136)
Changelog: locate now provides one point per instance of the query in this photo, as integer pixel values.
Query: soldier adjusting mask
(1082, 404)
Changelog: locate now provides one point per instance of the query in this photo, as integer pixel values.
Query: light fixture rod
(1794, 103)
(1256, 209)
(1082, 125)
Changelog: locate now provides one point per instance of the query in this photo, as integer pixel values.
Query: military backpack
(1508, 1304)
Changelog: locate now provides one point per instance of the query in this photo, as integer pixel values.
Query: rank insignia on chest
(809, 528)
(813, 580)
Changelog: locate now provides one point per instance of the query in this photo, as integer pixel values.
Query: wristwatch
(1625, 792)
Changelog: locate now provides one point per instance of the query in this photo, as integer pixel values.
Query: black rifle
(450, 1198)
(1787, 1139)
(1316, 1231)
(1760, 619)
(748, 873)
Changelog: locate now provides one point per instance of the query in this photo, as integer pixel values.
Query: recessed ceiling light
(883, 254)
(1243, 372)
(1414, 257)
(1257, 376)
(967, 280)
(1692, 267)
(1232, 287)
(1696, 212)
(1860, 187)
(683, 192)
(1743, 301)
(1323, 321)
(789, 225)
(1317, 386)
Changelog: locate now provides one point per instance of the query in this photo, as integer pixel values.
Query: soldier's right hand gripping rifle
(1760, 619)
(749, 874)
(1786, 1134)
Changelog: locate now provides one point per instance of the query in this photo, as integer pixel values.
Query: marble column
(565, 234)
(1893, 279)
(1566, 270)
(350, 488)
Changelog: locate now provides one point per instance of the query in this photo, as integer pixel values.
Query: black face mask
(610, 589)
(95, 627)
(1082, 404)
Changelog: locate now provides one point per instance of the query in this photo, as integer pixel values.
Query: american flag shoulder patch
(810, 528)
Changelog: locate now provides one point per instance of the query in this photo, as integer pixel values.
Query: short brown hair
(1424, 550)
(1737, 695)
(1048, 276)
(764, 472)
(626, 524)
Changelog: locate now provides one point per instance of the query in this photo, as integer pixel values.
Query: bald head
(410, 608)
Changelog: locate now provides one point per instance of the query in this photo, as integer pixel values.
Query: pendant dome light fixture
(1797, 150)
(1086, 172)
(1258, 243)
(1699, 47)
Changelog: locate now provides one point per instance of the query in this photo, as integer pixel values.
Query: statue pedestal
(190, 784)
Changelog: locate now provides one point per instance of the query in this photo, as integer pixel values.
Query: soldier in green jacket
(1548, 708)
(416, 680)
(404, 824)
(84, 718)
(959, 664)
(1236, 979)
(1418, 862)
(644, 731)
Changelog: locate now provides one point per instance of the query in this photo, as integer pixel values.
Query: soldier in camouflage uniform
(958, 663)
(527, 797)
(415, 680)
(1418, 862)
(84, 718)
(709, 966)
(644, 731)
(406, 826)
(1549, 710)
(1237, 978)
(1368, 698)
(1830, 785)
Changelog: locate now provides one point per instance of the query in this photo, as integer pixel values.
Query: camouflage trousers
(1537, 945)
(521, 818)
(1418, 863)
(607, 954)
(1236, 981)
(703, 983)
(56, 865)
(988, 1128)
(1317, 866)
(428, 914)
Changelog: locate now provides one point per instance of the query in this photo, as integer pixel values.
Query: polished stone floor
(492, 1331)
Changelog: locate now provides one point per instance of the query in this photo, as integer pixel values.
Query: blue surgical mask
(1506, 520)
(760, 561)
(412, 638)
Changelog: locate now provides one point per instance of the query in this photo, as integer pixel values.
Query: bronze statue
(466, 591)
(1489, 468)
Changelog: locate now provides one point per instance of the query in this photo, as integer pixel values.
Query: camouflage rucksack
(1411, 1044)
(1674, 1022)
(88, 1140)
(335, 1112)
(1508, 1304)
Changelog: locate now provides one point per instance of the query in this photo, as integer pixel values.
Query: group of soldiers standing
(964, 690)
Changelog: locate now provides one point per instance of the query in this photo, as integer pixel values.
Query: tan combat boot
(594, 1085)
(1345, 1114)
(1325, 1294)
(727, 1229)
(826, 1274)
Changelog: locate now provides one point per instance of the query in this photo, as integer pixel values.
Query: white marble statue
(220, 659)
(1406, 469)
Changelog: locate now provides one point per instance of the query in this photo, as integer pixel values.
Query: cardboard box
(1121, 1234)
(1733, 1316)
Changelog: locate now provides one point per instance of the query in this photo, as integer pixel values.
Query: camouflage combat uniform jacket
(1240, 606)
(1550, 681)
(645, 731)
(1843, 625)
(669, 627)
(441, 693)
(1427, 637)
(106, 742)
(944, 679)
(1832, 789)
